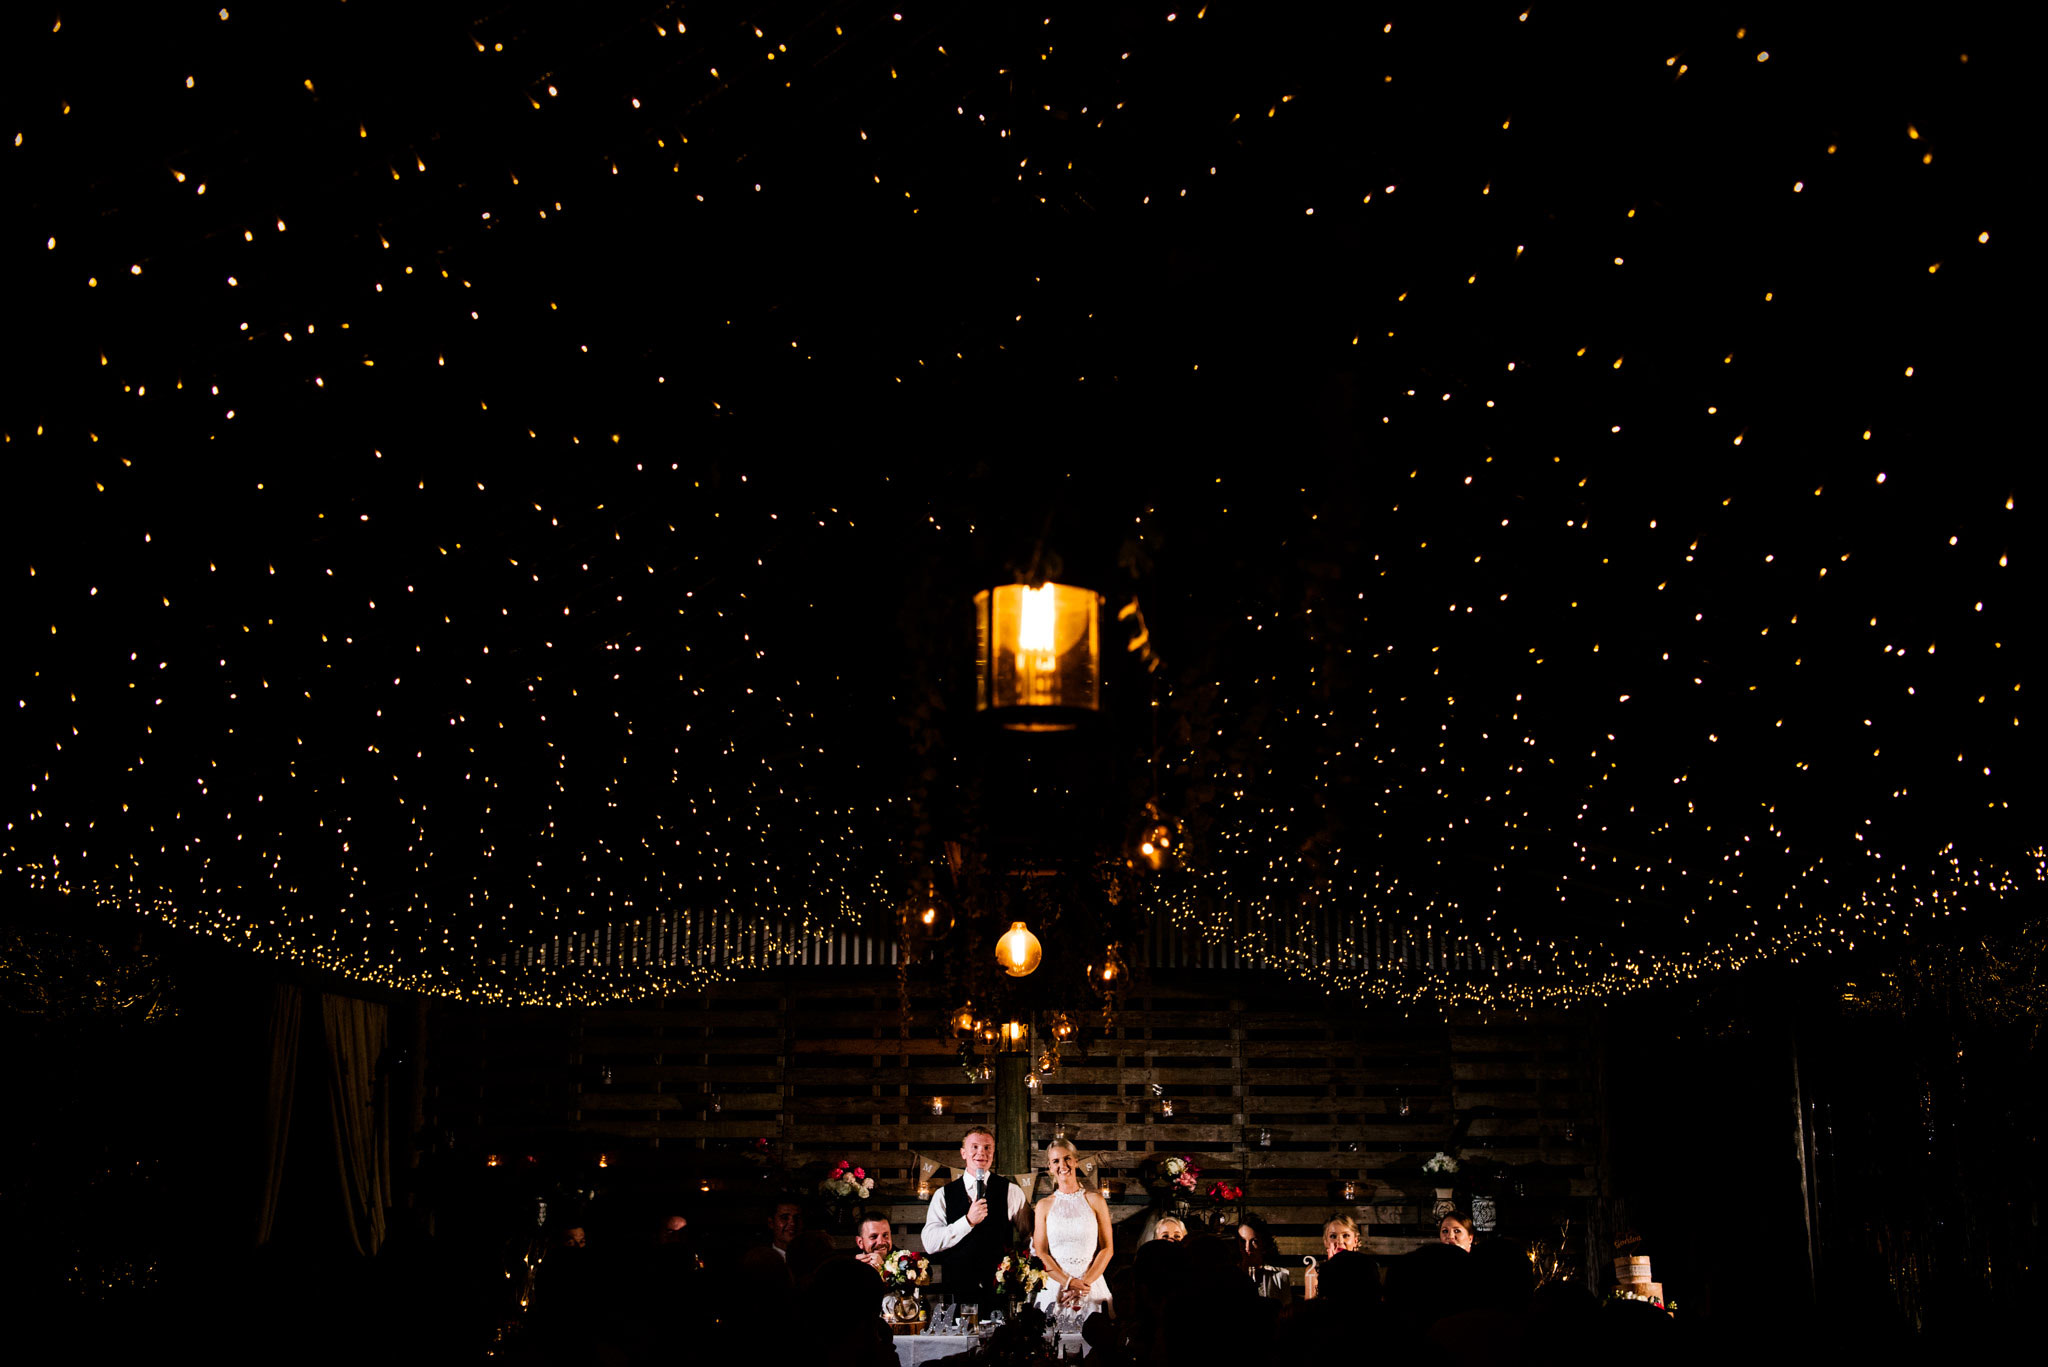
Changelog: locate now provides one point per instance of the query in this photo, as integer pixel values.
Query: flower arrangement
(1019, 1274)
(846, 1183)
(1442, 1165)
(904, 1269)
(1180, 1172)
(1223, 1192)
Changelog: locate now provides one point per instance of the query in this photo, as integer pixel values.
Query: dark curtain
(286, 1010)
(358, 1093)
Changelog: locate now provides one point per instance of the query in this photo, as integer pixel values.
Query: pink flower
(858, 1173)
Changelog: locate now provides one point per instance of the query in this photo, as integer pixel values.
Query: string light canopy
(1038, 662)
(1609, 647)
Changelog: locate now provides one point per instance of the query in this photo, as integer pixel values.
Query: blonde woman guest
(1070, 1234)
(1170, 1229)
(1340, 1235)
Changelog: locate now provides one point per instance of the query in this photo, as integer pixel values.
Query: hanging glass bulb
(1019, 951)
(1152, 842)
(924, 912)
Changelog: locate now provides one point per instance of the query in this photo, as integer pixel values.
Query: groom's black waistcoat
(971, 1264)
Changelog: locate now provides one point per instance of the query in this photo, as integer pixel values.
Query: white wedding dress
(1070, 1237)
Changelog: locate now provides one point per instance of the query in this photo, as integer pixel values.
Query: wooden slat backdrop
(812, 1059)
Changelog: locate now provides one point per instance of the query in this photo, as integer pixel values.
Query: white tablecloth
(916, 1348)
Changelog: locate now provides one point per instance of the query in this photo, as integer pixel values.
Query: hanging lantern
(1018, 951)
(1060, 1026)
(1038, 662)
(964, 1020)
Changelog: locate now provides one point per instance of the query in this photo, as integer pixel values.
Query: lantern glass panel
(1038, 659)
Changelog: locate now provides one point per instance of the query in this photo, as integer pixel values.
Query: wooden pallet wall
(1292, 1095)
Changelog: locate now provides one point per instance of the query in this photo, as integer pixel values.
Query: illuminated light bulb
(1018, 951)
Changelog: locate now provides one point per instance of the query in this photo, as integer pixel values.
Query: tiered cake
(1633, 1274)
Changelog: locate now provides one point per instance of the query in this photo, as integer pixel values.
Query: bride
(1070, 1234)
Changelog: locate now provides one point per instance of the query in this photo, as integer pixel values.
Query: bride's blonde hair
(1066, 1144)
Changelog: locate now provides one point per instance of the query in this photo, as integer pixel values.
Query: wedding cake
(1634, 1279)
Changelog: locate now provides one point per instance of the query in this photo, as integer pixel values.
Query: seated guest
(1261, 1259)
(1170, 1229)
(874, 1241)
(1159, 1267)
(1344, 1312)
(1351, 1280)
(785, 1222)
(1214, 1314)
(565, 1298)
(672, 1229)
(811, 1251)
(835, 1324)
(1496, 1326)
(1340, 1235)
(1426, 1284)
(1455, 1229)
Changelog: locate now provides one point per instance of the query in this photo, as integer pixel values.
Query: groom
(958, 1230)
